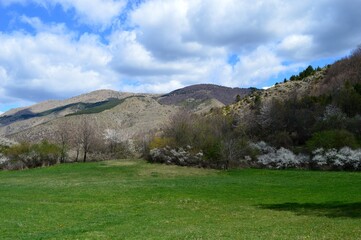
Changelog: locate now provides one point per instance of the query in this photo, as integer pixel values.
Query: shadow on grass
(328, 209)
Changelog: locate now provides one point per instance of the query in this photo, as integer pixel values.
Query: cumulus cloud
(95, 12)
(51, 65)
(163, 45)
(165, 32)
(257, 67)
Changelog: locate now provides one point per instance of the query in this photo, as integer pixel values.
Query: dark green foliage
(287, 123)
(293, 78)
(281, 139)
(98, 107)
(349, 99)
(82, 108)
(332, 139)
(305, 73)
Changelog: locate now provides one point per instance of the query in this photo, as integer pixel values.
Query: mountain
(204, 92)
(19, 119)
(129, 112)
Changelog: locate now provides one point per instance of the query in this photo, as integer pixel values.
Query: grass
(136, 200)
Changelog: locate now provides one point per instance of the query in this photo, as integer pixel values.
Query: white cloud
(298, 47)
(94, 12)
(50, 65)
(258, 66)
(39, 26)
(165, 31)
(170, 44)
(163, 87)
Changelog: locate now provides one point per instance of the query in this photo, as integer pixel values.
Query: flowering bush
(345, 158)
(282, 158)
(263, 147)
(3, 159)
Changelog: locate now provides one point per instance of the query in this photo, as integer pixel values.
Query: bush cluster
(323, 159)
(215, 136)
(26, 155)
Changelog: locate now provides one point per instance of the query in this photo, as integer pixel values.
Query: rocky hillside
(133, 113)
(308, 86)
(197, 94)
(20, 119)
(134, 116)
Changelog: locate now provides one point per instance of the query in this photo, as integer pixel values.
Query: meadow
(132, 199)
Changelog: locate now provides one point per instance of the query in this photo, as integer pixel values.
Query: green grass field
(137, 200)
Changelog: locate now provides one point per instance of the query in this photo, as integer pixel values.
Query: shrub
(332, 139)
(30, 156)
(161, 142)
(282, 158)
(345, 158)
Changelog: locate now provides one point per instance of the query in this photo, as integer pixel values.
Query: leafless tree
(63, 133)
(87, 135)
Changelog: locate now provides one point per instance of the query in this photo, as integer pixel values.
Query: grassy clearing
(136, 200)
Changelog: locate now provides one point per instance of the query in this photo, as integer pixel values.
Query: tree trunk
(84, 159)
(77, 154)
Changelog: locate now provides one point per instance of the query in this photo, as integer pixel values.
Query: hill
(133, 113)
(203, 92)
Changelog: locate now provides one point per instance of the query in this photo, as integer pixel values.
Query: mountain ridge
(197, 98)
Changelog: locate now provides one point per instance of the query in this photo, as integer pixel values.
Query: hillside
(133, 113)
(20, 119)
(308, 86)
(133, 116)
(197, 94)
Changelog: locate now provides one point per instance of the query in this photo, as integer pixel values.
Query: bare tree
(86, 134)
(63, 133)
(112, 138)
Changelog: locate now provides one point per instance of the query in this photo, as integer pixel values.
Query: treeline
(298, 129)
(71, 141)
(309, 71)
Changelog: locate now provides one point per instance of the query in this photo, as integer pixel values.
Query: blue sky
(55, 49)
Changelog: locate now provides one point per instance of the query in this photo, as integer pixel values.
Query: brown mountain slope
(134, 116)
(198, 98)
(310, 86)
(203, 92)
(21, 119)
(92, 97)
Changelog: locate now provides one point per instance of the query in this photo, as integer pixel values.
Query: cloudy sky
(54, 49)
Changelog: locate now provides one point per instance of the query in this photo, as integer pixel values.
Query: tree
(115, 139)
(87, 136)
(332, 139)
(64, 136)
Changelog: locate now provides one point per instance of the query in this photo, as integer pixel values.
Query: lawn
(127, 199)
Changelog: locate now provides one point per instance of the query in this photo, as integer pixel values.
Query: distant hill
(134, 113)
(204, 92)
(19, 119)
